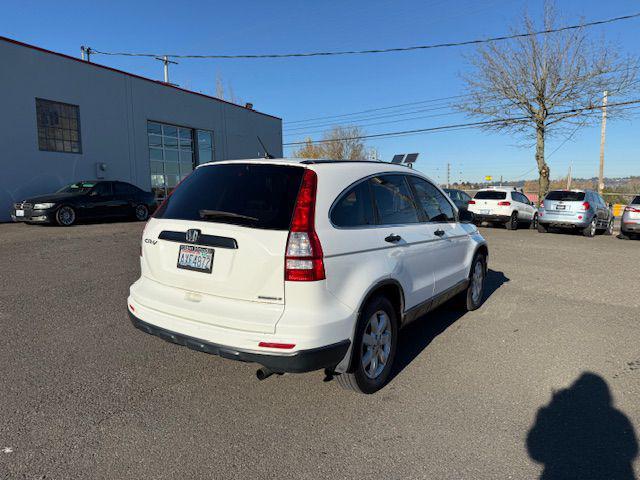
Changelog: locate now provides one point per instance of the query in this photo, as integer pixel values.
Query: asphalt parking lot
(85, 395)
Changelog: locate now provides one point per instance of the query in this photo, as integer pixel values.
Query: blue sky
(298, 89)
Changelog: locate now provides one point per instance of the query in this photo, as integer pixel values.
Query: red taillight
(284, 346)
(472, 202)
(304, 258)
(586, 205)
(632, 209)
(504, 204)
(132, 308)
(541, 204)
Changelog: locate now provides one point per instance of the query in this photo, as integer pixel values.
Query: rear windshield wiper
(222, 214)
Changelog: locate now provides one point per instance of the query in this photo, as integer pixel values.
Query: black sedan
(86, 200)
(460, 198)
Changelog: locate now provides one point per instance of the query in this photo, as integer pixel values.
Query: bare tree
(549, 82)
(339, 143)
(225, 93)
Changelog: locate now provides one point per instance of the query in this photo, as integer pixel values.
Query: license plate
(19, 213)
(561, 207)
(198, 259)
(634, 216)
(485, 212)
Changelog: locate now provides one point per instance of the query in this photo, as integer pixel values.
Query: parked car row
(582, 210)
(86, 200)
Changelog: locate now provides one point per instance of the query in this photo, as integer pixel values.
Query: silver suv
(584, 210)
(631, 219)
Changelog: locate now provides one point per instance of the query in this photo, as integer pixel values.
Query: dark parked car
(460, 198)
(86, 200)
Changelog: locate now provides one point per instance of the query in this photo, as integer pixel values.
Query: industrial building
(65, 119)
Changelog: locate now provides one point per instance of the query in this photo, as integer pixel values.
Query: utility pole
(602, 140)
(569, 177)
(500, 180)
(86, 52)
(165, 59)
(448, 175)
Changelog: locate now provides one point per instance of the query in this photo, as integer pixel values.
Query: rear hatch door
(223, 232)
(487, 201)
(564, 202)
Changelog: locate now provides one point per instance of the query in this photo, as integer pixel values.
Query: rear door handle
(393, 238)
(438, 233)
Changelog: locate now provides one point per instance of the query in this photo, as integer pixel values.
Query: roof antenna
(266, 153)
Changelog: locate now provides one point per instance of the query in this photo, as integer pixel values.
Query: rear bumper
(295, 362)
(565, 220)
(491, 218)
(630, 227)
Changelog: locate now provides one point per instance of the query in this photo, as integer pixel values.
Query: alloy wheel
(376, 344)
(66, 216)
(141, 212)
(477, 282)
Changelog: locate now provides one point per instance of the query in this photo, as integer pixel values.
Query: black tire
(141, 212)
(534, 222)
(65, 216)
(357, 378)
(590, 230)
(609, 229)
(512, 223)
(542, 228)
(467, 300)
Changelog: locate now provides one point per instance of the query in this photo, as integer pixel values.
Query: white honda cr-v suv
(301, 265)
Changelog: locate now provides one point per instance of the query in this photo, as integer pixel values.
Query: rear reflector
(304, 257)
(284, 346)
(132, 308)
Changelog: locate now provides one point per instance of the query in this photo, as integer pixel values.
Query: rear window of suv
(563, 196)
(252, 195)
(490, 195)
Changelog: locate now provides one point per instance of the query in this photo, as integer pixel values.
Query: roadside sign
(488, 178)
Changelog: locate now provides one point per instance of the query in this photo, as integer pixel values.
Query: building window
(58, 126)
(205, 146)
(171, 156)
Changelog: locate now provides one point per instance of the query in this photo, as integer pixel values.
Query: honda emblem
(192, 235)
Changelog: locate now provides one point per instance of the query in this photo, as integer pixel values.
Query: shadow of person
(415, 337)
(580, 435)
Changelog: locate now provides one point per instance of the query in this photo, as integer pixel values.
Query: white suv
(300, 265)
(504, 205)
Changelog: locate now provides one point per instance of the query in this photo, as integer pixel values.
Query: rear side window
(490, 195)
(434, 204)
(354, 208)
(636, 201)
(393, 200)
(121, 188)
(252, 195)
(565, 196)
(103, 189)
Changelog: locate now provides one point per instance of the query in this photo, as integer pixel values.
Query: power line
(470, 124)
(382, 50)
(378, 109)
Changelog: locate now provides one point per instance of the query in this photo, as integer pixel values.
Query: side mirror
(465, 216)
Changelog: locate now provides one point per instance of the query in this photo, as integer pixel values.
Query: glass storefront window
(205, 146)
(171, 156)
